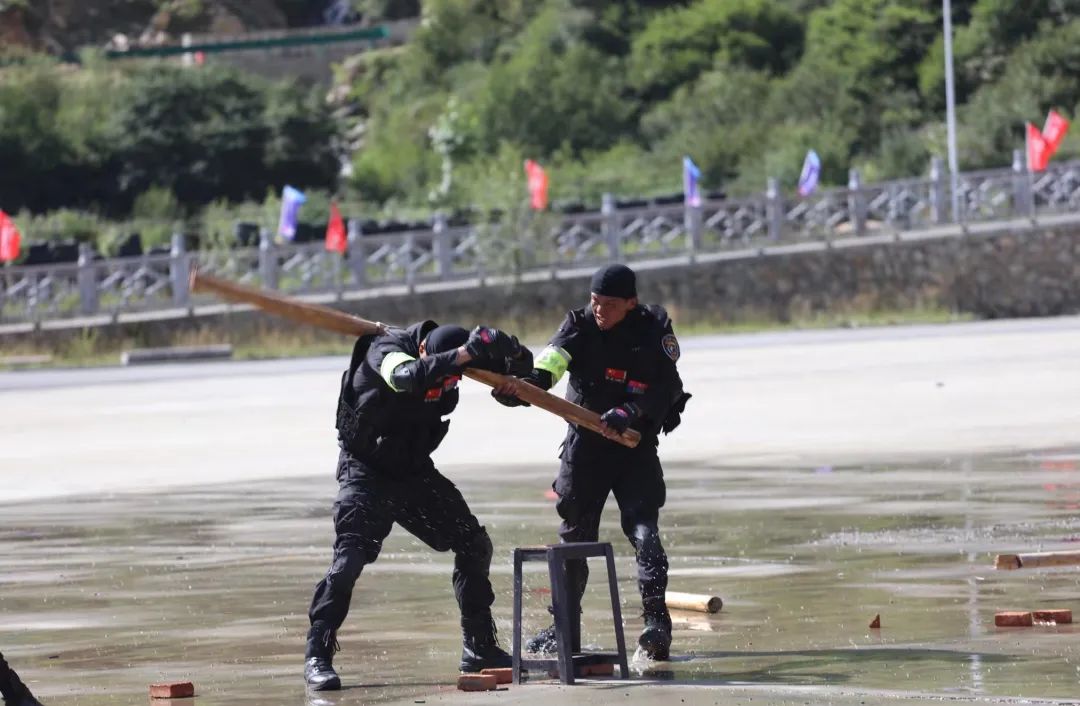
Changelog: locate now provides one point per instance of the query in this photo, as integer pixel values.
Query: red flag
(9, 239)
(538, 185)
(1054, 130)
(1038, 151)
(336, 238)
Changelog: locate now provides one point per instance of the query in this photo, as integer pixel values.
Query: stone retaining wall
(1009, 273)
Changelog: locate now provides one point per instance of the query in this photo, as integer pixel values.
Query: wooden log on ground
(1009, 562)
(694, 601)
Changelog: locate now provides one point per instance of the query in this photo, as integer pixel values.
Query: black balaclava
(614, 281)
(445, 338)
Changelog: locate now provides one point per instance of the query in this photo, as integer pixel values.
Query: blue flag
(811, 169)
(291, 201)
(691, 175)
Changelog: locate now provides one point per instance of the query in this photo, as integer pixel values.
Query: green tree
(679, 45)
(878, 42)
(301, 142)
(454, 31)
(396, 162)
(862, 54)
(716, 120)
(613, 24)
(199, 133)
(553, 89)
(36, 158)
(983, 44)
(1043, 73)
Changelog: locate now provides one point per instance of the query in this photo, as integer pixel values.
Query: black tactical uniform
(15, 693)
(390, 420)
(628, 371)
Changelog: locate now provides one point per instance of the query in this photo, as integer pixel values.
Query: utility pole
(950, 109)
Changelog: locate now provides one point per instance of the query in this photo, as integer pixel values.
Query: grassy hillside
(607, 94)
(610, 95)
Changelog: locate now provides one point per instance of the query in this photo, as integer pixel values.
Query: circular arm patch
(671, 346)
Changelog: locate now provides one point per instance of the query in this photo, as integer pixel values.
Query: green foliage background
(610, 95)
(607, 94)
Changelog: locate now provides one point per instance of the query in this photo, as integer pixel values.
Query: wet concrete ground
(104, 595)
(208, 580)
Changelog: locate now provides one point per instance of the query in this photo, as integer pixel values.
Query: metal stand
(567, 610)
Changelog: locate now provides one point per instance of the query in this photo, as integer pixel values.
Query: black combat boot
(655, 639)
(318, 659)
(543, 642)
(480, 646)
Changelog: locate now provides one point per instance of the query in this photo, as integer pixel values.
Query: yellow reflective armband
(389, 363)
(554, 360)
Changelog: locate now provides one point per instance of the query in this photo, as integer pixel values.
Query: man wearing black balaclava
(621, 358)
(399, 386)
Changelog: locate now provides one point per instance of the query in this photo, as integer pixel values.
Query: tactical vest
(388, 428)
(617, 366)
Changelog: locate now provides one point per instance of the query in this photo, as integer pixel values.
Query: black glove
(674, 415)
(620, 418)
(491, 344)
(521, 363)
(511, 400)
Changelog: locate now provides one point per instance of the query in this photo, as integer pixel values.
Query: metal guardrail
(253, 41)
(551, 242)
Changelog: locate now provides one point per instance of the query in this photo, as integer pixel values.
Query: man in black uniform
(621, 357)
(399, 386)
(15, 693)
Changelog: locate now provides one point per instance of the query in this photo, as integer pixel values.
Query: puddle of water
(100, 596)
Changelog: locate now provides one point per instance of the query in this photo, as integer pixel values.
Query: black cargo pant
(11, 687)
(7, 678)
(591, 468)
(425, 503)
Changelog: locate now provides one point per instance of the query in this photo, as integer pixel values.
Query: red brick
(1061, 616)
(1014, 619)
(477, 682)
(503, 675)
(588, 670)
(597, 670)
(172, 690)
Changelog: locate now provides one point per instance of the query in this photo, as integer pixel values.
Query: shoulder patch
(670, 345)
